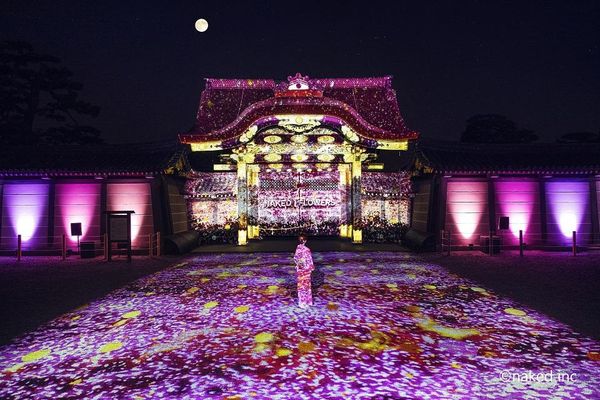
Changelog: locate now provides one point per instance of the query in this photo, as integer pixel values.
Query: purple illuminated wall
(520, 201)
(77, 202)
(467, 211)
(136, 197)
(25, 212)
(568, 205)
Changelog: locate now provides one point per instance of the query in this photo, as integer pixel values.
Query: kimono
(304, 267)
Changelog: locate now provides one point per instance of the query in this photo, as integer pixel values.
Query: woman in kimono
(304, 267)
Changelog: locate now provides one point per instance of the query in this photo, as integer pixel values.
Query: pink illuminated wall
(467, 211)
(136, 197)
(518, 199)
(25, 212)
(568, 205)
(77, 202)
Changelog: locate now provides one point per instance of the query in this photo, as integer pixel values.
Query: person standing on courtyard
(304, 268)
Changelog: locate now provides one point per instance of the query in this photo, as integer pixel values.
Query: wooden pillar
(51, 212)
(242, 197)
(252, 175)
(594, 211)
(103, 207)
(1, 209)
(491, 200)
(543, 212)
(437, 207)
(161, 207)
(356, 198)
(346, 180)
(437, 203)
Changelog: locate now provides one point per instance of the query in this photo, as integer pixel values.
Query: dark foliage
(379, 230)
(580, 137)
(494, 128)
(39, 100)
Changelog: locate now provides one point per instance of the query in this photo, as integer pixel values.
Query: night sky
(143, 63)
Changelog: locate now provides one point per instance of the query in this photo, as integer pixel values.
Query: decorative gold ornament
(249, 134)
(272, 157)
(207, 146)
(326, 139)
(350, 134)
(299, 123)
(272, 139)
(397, 145)
(299, 157)
(326, 157)
(299, 139)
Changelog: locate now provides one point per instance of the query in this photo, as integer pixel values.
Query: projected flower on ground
(384, 325)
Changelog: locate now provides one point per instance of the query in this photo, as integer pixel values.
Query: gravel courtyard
(226, 326)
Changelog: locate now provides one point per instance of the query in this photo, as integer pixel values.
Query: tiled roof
(539, 158)
(107, 159)
(224, 100)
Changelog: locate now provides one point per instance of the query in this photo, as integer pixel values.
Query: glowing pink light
(569, 202)
(136, 197)
(27, 205)
(466, 204)
(516, 200)
(79, 202)
(26, 226)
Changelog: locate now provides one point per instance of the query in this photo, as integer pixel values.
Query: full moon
(201, 25)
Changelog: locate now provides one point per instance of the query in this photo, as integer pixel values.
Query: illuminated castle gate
(298, 150)
(294, 198)
(299, 179)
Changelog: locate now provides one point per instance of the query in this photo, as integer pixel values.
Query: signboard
(118, 229)
(118, 225)
(291, 201)
(299, 202)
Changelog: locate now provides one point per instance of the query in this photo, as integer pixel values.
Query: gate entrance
(296, 152)
(305, 198)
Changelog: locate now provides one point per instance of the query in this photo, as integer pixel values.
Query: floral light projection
(569, 204)
(368, 104)
(213, 185)
(516, 200)
(227, 326)
(211, 199)
(394, 211)
(372, 208)
(213, 212)
(466, 206)
(78, 202)
(308, 200)
(385, 196)
(27, 207)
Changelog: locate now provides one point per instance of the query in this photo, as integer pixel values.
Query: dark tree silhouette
(579, 137)
(39, 100)
(494, 128)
